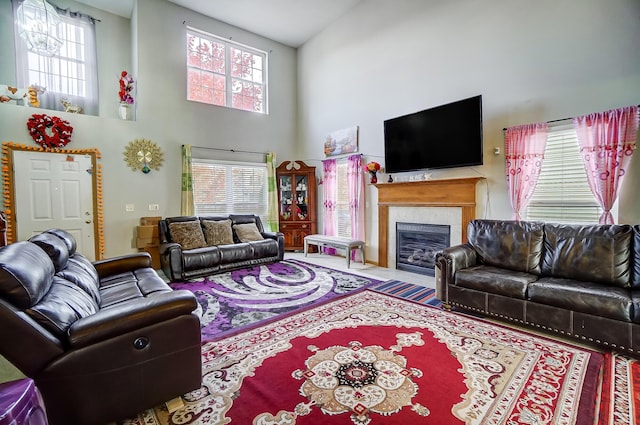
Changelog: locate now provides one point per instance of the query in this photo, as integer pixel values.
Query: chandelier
(37, 23)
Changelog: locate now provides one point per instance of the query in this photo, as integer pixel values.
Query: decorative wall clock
(143, 155)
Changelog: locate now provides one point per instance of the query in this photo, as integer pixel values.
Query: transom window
(563, 194)
(225, 73)
(223, 187)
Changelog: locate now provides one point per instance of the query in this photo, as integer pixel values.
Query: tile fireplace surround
(442, 201)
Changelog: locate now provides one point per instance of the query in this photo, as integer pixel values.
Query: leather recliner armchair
(104, 340)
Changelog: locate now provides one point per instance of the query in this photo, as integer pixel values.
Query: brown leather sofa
(193, 246)
(104, 340)
(581, 282)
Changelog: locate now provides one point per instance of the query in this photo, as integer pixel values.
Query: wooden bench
(334, 242)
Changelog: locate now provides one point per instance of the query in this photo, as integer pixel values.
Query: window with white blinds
(221, 188)
(563, 194)
(342, 206)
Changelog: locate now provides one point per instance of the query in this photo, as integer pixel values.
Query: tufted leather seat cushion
(600, 254)
(513, 245)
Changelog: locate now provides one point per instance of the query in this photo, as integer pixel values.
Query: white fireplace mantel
(440, 193)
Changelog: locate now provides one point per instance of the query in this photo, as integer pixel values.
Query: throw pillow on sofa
(217, 232)
(188, 234)
(247, 232)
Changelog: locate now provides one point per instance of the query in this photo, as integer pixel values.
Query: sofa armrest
(123, 263)
(129, 316)
(171, 260)
(448, 261)
(278, 237)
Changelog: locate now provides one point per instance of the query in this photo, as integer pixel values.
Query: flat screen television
(445, 136)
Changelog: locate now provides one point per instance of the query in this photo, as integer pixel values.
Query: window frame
(343, 214)
(562, 160)
(210, 75)
(63, 68)
(230, 189)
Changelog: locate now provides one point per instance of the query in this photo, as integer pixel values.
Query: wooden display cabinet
(296, 202)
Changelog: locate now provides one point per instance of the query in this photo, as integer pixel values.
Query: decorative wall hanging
(49, 132)
(143, 155)
(341, 142)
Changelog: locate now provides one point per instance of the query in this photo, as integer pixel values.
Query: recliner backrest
(26, 274)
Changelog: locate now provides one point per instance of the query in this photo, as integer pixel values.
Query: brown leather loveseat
(199, 246)
(578, 281)
(104, 340)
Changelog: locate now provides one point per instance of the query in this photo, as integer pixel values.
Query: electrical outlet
(154, 207)
(129, 208)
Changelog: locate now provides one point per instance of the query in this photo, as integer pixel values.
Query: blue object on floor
(20, 403)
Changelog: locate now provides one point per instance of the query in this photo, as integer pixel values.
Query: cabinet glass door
(286, 197)
(302, 200)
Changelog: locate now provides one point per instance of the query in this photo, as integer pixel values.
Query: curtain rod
(552, 121)
(227, 150)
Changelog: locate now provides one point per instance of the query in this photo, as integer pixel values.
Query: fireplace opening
(417, 245)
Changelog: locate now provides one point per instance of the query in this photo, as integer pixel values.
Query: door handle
(88, 221)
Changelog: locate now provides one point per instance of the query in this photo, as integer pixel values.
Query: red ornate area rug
(369, 358)
(620, 399)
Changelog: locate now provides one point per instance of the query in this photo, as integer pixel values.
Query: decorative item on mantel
(143, 155)
(125, 109)
(373, 168)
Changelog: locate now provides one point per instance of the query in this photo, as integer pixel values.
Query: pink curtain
(607, 141)
(355, 187)
(524, 150)
(330, 195)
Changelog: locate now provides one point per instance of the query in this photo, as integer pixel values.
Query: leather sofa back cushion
(217, 232)
(247, 232)
(81, 272)
(65, 303)
(26, 272)
(66, 237)
(55, 248)
(511, 245)
(188, 234)
(600, 254)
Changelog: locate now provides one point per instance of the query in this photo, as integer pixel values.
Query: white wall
(163, 114)
(531, 61)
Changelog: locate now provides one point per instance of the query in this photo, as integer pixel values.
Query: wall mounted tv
(445, 136)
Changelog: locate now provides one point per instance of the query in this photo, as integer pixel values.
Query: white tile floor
(339, 263)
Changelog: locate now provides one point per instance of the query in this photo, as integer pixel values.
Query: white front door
(55, 190)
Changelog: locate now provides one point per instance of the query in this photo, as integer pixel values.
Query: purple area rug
(233, 301)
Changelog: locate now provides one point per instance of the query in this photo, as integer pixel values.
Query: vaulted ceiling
(290, 22)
